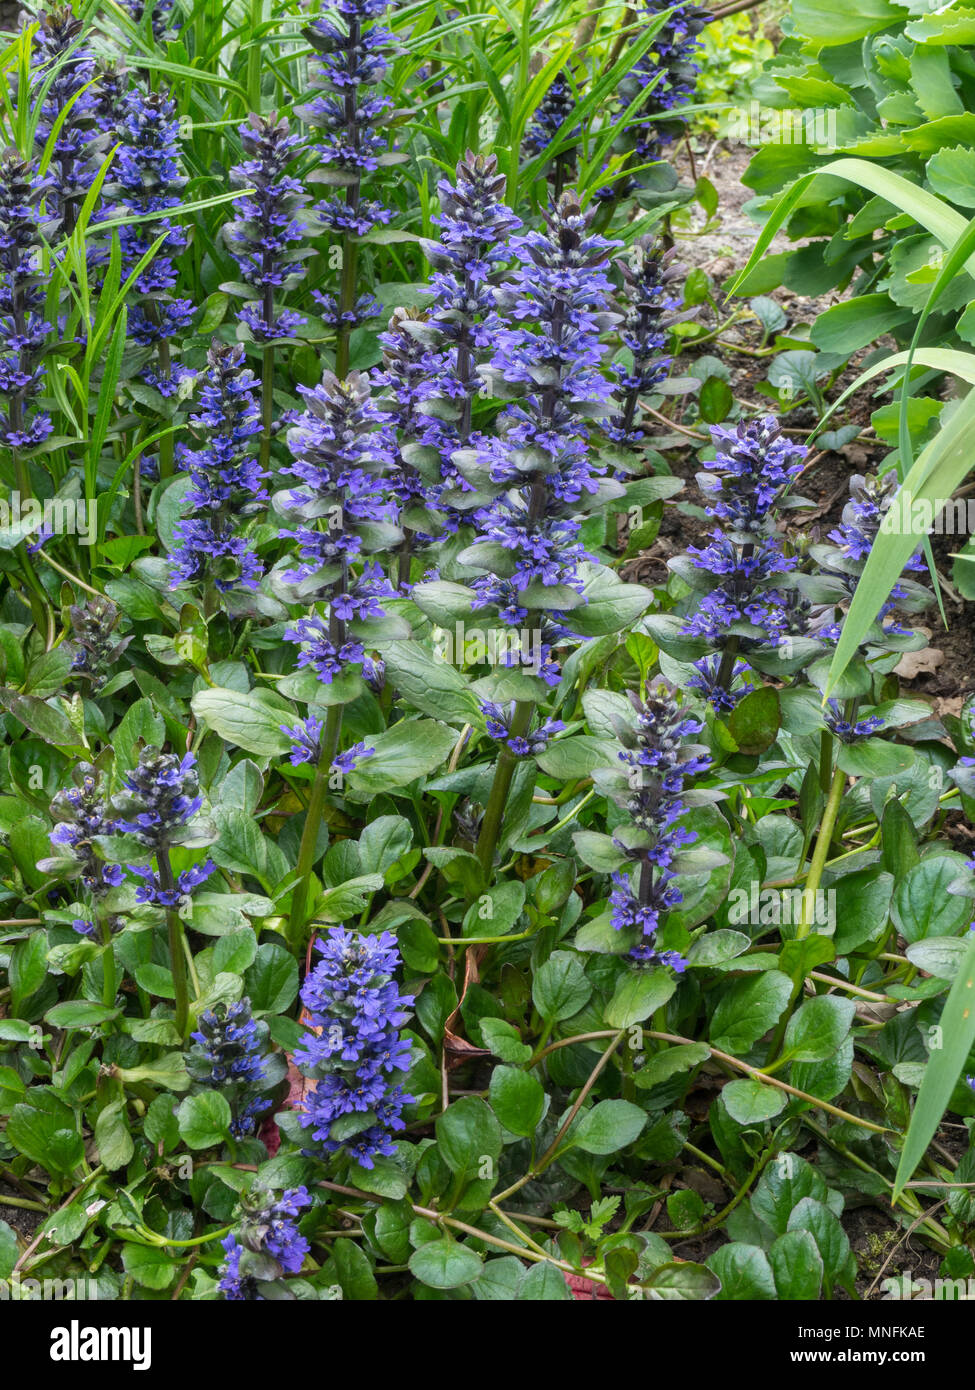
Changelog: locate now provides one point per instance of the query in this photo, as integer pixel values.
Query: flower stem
(487, 840)
(313, 817)
(177, 960)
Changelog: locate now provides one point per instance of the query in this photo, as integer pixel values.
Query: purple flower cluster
(161, 14)
(547, 351)
(161, 796)
(355, 1052)
(268, 226)
(340, 447)
(659, 762)
(352, 51)
(429, 376)
(93, 628)
(498, 720)
(871, 499)
(22, 297)
(62, 67)
(231, 1056)
(306, 746)
(745, 559)
(652, 299)
(551, 116)
(266, 1245)
(228, 482)
(147, 180)
(80, 815)
(151, 889)
(658, 83)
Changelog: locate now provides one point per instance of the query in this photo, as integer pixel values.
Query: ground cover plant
(402, 899)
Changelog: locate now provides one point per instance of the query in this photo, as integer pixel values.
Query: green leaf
(560, 988)
(748, 1009)
(782, 1186)
(79, 1013)
(608, 1127)
(504, 1041)
(661, 1066)
(204, 1119)
(797, 1266)
(945, 1067)
(430, 685)
(922, 905)
(112, 1137)
(443, 1264)
(638, 994)
(244, 718)
(744, 1271)
(818, 1028)
(754, 721)
(383, 842)
(411, 749)
(467, 1134)
(149, 1266)
(272, 981)
(544, 1281)
(517, 1098)
(831, 1240)
(750, 1101)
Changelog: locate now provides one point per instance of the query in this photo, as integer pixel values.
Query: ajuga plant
(264, 1246)
(407, 916)
(551, 121)
(146, 180)
(266, 239)
(156, 810)
(63, 80)
(736, 604)
(81, 818)
(230, 1055)
(652, 299)
(339, 448)
(657, 762)
(651, 93)
(98, 645)
(354, 1053)
(352, 50)
(227, 485)
(429, 375)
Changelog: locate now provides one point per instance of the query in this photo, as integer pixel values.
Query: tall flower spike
(62, 64)
(160, 796)
(268, 226)
(654, 89)
(22, 296)
(352, 51)
(162, 15)
(741, 569)
(355, 1054)
(429, 369)
(546, 350)
(81, 814)
(652, 302)
(658, 762)
(228, 482)
(867, 511)
(147, 179)
(93, 625)
(231, 1056)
